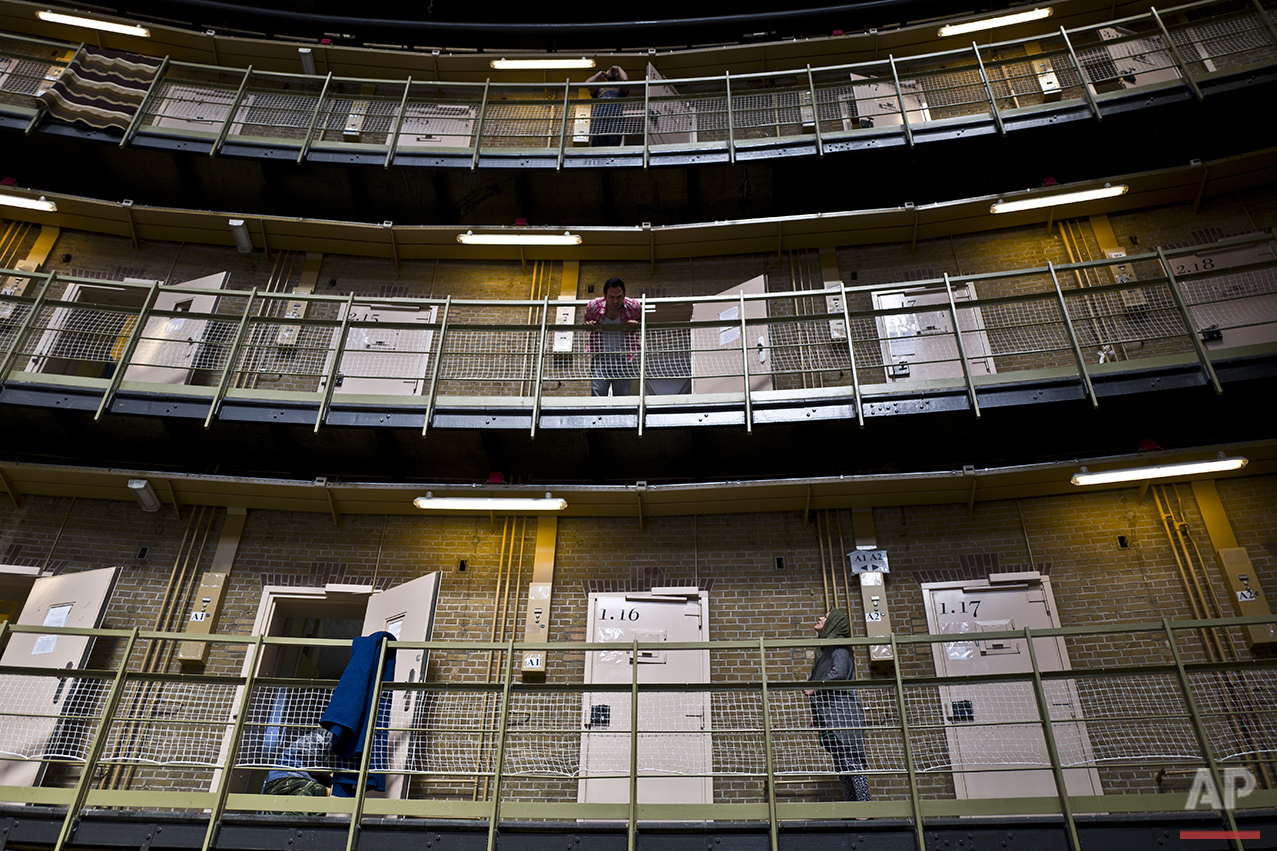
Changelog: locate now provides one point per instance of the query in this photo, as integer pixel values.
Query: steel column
(1068, 326)
(129, 348)
(851, 358)
(241, 716)
(240, 333)
(230, 114)
(731, 135)
(434, 372)
(365, 761)
(962, 349)
(340, 349)
(647, 116)
(495, 816)
(314, 118)
(744, 362)
(1081, 77)
(24, 330)
(1053, 753)
(1177, 56)
(900, 100)
(631, 833)
(988, 90)
(902, 710)
(1199, 731)
(136, 121)
(815, 113)
(642, 405)
(1189, 326)
(767, 748)
(478, 130)
(563, 130)
(393, 144)
(536, 398)
(85, 780)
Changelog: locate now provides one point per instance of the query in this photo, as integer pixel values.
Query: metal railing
(968, 333)
(1137, 718)
(735, 114)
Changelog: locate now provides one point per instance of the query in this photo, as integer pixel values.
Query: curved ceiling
(541, 26)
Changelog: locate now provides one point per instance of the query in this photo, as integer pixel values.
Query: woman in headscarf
(836, 713)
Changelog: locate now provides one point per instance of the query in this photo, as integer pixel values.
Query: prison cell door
(972, 712)
(922, 345)
(407, 612)
(168, 349)
(716, 350)
(385, 361)
(84, 341)
(674, 739)
(71, 600)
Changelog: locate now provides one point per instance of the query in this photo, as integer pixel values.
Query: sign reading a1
(865, 560)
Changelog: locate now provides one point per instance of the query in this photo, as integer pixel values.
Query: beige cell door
(716, 350)
(674, 731)
(169, 347)
(407, 612)
(386, 361)
(984, 751)
(921, 345)
(31, 712)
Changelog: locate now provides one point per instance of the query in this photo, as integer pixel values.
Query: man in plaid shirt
(614, 351)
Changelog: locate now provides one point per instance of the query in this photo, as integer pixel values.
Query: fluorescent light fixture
(999, 21)
(307, 57)
(517, 504)
(145, 494)
(239, 230)
(1161, 471)
(1055, 200)
(28, 203)
(472, 238)
(90, 23)
(540, 64)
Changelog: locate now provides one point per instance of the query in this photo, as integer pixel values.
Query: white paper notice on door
(732, 334)
(57, 616)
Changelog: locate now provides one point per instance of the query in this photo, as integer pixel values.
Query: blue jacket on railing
(349, 708)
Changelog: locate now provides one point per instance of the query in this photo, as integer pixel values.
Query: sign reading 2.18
(619, 615)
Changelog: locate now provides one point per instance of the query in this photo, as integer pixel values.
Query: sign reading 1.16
(618, 614)
(866, 560)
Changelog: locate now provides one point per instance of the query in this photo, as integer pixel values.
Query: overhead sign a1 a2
(866, 560)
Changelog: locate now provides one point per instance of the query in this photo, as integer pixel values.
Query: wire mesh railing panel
(1130, 719)
(1224, 43)
(283, 356)
(525, 121)
(1232, 300)
(49, 716)
(956, 91)
(490, 362)
(805, 346)
(808, 730)
(1125, 57)
(276, 114)
(12, 314)
(196, 100)
(171, 724)
(780, 108)
(1140, 322)
(1239, 712)
(438, 124)
(25, 71)
(173, 346)
(544, 734)
(76, 340)
(1027, 335)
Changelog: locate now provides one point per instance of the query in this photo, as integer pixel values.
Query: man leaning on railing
(614, 351)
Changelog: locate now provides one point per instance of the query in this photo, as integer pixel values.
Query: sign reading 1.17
(974, 610)
(619, 615)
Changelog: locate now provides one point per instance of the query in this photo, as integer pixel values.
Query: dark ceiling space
(1028, 424)
(540, 26)
(965, 164)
